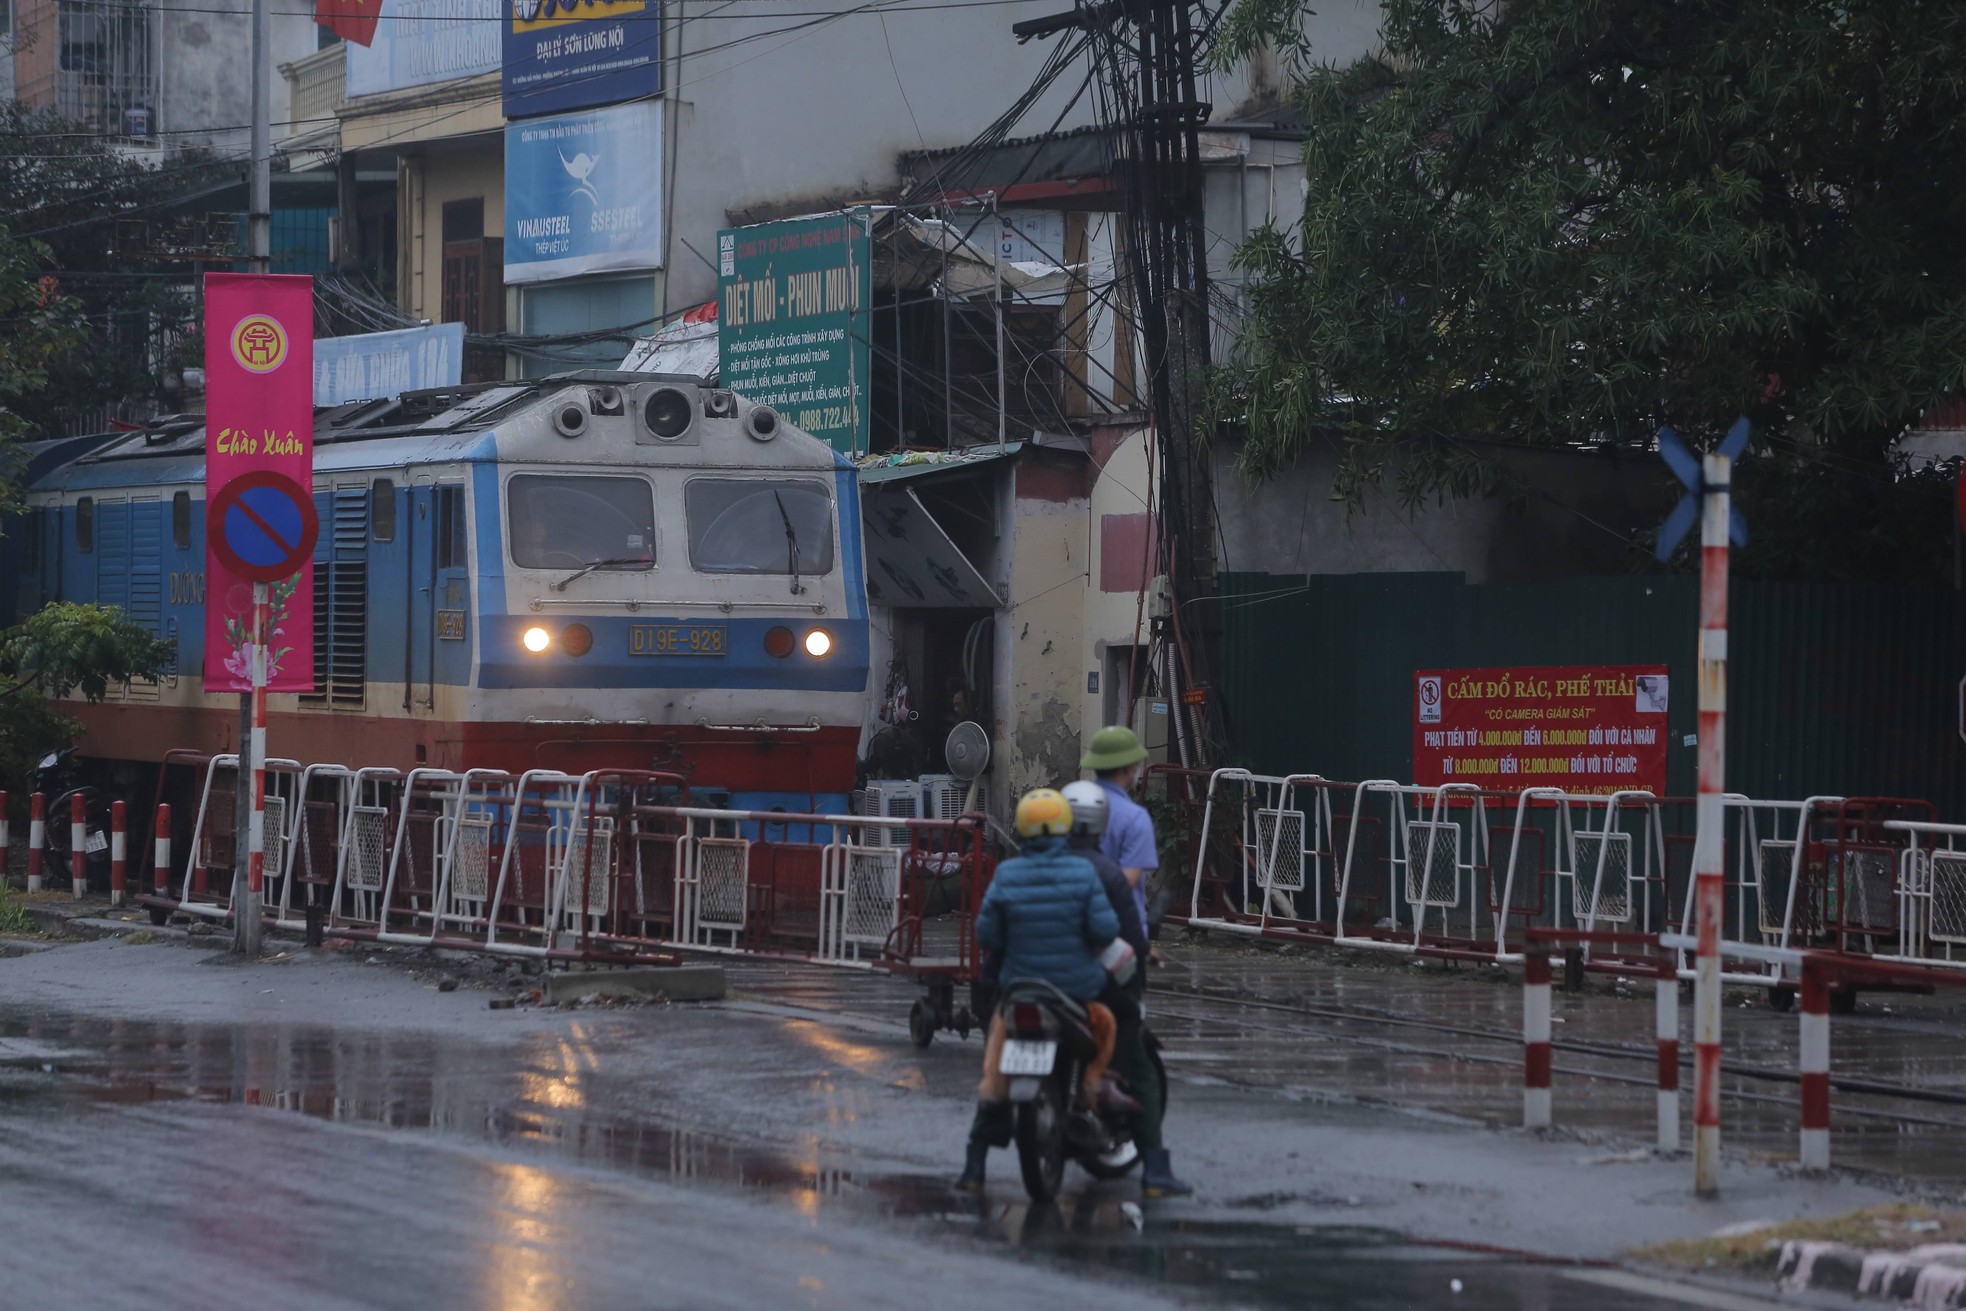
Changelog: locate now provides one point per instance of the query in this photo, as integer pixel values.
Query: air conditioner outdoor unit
(943, 796)
(891, 798)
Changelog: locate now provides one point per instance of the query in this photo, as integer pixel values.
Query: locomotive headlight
(537, 640)
(818, 642)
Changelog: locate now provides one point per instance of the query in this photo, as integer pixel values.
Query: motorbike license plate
(1027, 1057)
(97, 842)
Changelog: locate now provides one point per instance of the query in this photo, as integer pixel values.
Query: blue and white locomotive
(597, 570)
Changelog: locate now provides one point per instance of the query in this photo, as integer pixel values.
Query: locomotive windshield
(759, 526)
(581, 522)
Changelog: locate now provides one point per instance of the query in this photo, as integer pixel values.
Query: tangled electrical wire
(348, 303)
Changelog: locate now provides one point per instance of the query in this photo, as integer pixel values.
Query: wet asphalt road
(370, 1142)
(640, 1159)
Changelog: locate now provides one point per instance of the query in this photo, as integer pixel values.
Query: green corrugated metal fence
(1834, 689)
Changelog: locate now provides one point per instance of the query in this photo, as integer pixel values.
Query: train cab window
(181, 520)
(576, 521)
(758, 526)
(30, 541)
(382, 510)
(85, 524)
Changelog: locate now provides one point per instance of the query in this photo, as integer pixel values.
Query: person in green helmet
(1117, 759)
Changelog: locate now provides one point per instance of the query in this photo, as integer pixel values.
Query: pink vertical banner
(259, 419)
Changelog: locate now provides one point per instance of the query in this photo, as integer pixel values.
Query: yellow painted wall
(425, 183)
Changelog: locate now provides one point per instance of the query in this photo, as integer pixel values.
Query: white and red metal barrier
(612, 864)
(1537, 1045)
(37, 839)
(118, 852)
(1455, 871)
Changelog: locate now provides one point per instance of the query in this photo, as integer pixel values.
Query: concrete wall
(203, 58)
(1039, 637)
(1559, 514)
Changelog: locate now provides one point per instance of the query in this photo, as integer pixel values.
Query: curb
(674, 982)
(1931, 1277)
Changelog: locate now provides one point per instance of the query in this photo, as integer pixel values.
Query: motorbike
(1047, 1041)
(59, 779)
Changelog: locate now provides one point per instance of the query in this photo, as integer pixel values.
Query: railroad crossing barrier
(160, 857)
(1457, 872)
(1536, 1036)
(611, 865)
(1819, 972)
(78, 845)
(118, 852)
(37, 839)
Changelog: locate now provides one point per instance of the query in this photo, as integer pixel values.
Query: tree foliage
(65, 189)
(1572, 221)
(63, 647)
(40, 328)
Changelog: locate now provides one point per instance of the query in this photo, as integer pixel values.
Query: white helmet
(1089, 809)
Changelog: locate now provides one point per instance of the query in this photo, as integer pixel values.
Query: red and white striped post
(160, 868)
(78, 845)
(119, 872)
(1535, 1039)
(37, 839)
(1709, 856)
(246, 902)
(1815, 1068)
(1665, 1002)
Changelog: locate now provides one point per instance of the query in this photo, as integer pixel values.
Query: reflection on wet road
(1349, 1032)
(165, 1144)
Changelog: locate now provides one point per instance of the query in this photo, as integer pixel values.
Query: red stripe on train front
(817, 761)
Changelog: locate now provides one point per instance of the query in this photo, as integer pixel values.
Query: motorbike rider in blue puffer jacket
(1046, 916)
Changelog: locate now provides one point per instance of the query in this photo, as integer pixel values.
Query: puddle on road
(545, 1099)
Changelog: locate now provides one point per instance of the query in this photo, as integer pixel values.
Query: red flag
(354, 20)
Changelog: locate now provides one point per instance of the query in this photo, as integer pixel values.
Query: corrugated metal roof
(895, 468)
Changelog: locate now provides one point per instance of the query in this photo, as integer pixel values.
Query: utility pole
(1147, 53)
(246, 927)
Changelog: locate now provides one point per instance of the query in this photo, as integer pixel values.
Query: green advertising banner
(793, 312)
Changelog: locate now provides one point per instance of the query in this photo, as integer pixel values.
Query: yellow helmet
(1043, 813)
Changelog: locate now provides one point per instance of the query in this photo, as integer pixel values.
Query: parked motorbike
(1047, 1041)
(59, 778)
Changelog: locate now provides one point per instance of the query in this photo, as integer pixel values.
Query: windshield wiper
(586, 569)
(791, 543)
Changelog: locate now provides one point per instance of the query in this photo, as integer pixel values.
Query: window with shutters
(341, 604)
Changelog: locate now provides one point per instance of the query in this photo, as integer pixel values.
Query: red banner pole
(256, 857)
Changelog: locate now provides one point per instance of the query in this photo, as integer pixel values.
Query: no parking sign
(259, 474)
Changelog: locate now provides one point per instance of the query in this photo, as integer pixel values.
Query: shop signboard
(1582, 728)
(420, 42)
(793, 321)
(583, 193)
(576, 54)
(366, 365)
